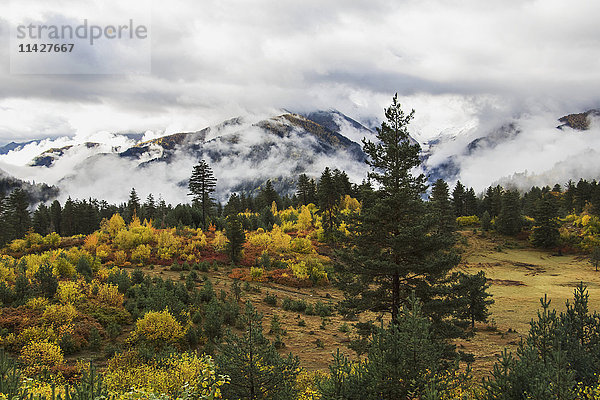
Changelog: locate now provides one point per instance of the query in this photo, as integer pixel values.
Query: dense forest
(117, 301)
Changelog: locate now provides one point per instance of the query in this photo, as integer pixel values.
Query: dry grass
(301, 341)
(520, 276)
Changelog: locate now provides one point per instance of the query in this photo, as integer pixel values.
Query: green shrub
(323, 310)
(271, 299)
(294, 305)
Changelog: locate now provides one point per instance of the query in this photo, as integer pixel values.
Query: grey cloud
(467, 67)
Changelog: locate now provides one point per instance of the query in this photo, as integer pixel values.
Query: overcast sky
(453, 61)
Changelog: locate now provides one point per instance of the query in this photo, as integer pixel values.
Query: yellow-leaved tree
(41, 357)
(304, 219)
(158, 329)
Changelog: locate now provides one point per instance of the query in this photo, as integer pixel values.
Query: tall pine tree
(202, 184)
(133, 205)
(268, 195)
(458, 199)
(396, 246)
(303, 189)
(41, 220)
(510, 221)
(329, 198)
(237, 237)
(19, 218)
(67, 223)
(473, 297)
(545, 232)
(442, 208)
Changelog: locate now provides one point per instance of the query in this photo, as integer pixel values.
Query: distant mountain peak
(332, 119)
(15, 146)
(580, 121)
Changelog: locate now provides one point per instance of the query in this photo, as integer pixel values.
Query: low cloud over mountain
(243, 153)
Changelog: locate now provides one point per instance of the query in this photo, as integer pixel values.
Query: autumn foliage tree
(158, 329)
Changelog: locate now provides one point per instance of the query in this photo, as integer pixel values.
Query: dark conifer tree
(545, 232)
(329, 199)
(19, 218)
(237, 237)
(67, 224)
(365, 192)
(559, 351)
(268, 195)
(55, 216)
(213, 320)
(442, 208)
(202, 184)
(149, 209)
(161, 212)
(530, 200)
(458, 199)
(233, 206)
(312, 191)
(341, 182)
(492, 200)
(474, 298)
(471, 202)
(510, 221)
(87, 218)
(486, 221)
(46, 282)
(133, 205)
(244, 202)
(595, 198)
(568, 198)
(583, 194)
(395, 249)
(399, 358)
(255, 368)
(303, 189)
(41, 220)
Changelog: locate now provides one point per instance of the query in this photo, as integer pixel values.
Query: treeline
(82, 217)
(536, 211)
(573, 198)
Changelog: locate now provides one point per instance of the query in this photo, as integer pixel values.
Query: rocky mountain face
(579, 122)
(218, 142)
